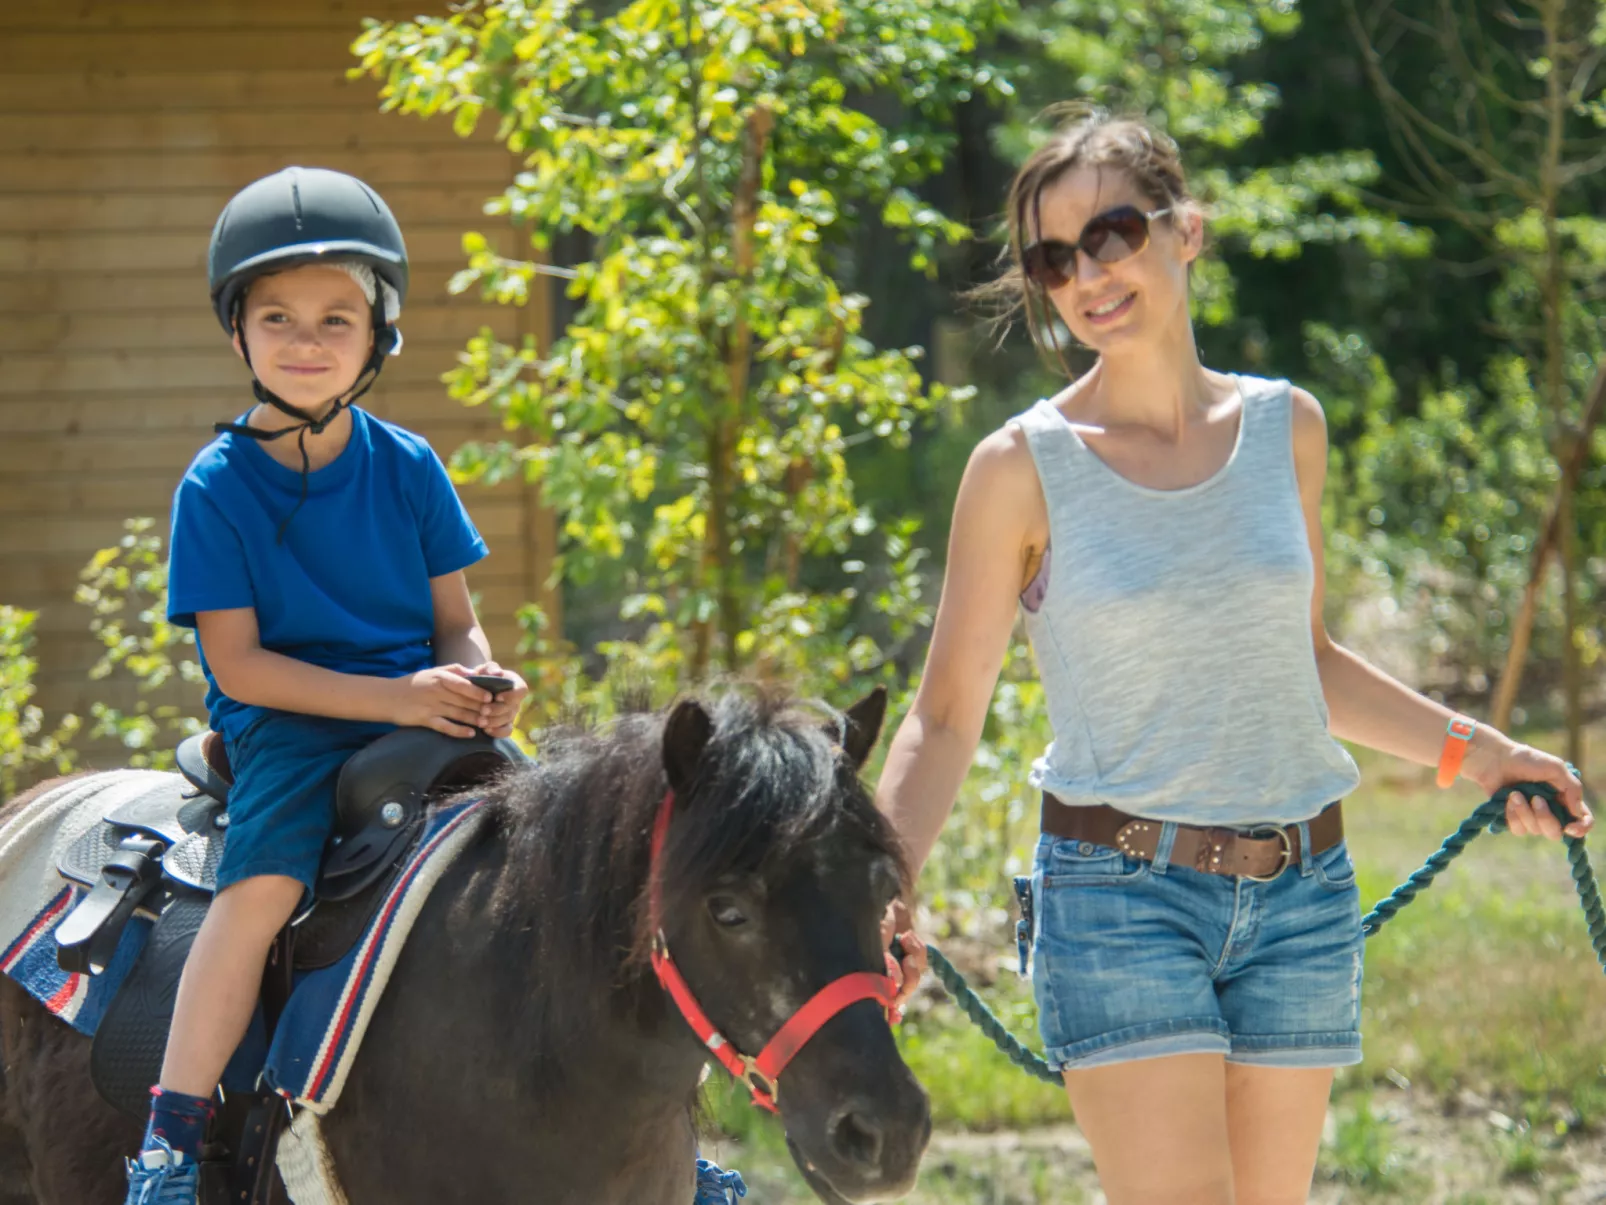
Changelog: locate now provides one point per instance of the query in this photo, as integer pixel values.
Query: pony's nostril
(856, 1140)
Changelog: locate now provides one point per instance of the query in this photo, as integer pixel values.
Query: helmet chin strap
(385, 337)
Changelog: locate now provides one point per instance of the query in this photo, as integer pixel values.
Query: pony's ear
(686, 735)
(864, 726)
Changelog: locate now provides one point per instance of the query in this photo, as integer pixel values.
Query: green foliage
(125, 588)
(1500, 140)
(972, 1085)
(1435, 506)
(23, 750)
(692, 424)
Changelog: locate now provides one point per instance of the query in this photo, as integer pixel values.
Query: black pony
(523, 1050)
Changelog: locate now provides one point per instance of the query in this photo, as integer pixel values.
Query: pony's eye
(727, 912)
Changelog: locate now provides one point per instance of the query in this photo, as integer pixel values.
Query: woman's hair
(1086, 137)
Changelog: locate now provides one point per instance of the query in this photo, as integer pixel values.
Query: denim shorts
(1135, 960)
(282, 803)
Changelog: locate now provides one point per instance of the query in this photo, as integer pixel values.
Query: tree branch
(1413, 119)
(1522, 627)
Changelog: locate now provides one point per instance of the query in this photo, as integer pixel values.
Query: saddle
(156, 857)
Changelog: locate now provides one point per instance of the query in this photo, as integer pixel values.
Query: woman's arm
(1367, 706)
(987, 553)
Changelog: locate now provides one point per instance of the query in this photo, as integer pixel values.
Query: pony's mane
(577, 825)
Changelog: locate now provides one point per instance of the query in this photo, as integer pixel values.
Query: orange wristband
(1456, 739)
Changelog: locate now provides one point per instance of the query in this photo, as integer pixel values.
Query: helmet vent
(295, 201)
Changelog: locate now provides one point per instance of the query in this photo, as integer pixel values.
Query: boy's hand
(443, 699)
(497, 718)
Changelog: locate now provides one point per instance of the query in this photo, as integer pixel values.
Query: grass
(1487, 981)
(1363, 1152)
(1486, 984)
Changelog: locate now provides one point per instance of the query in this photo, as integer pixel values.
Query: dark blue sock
(178, 1120)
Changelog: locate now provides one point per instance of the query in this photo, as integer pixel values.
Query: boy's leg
(216, 996)
(223, 980)
(281, 811)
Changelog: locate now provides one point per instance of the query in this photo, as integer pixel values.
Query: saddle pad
(34, 898)
(322, 1026)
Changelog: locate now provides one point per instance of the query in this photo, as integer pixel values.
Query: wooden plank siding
(124, 127)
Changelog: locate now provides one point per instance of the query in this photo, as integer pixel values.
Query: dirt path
(1412, 1150)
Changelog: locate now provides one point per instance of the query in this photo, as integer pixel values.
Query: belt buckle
(1288, 851)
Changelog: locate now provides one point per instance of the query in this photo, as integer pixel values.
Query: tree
(692, 424)
(1504, 141)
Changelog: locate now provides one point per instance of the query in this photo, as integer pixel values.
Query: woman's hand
(912, 964)
(498, 718)
(441, 698)
(1495, 760)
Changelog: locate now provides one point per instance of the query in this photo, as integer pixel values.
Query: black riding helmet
(297, 216)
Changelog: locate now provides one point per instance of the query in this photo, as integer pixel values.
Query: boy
(325, 583)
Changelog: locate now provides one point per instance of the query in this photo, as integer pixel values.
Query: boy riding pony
(318, 552)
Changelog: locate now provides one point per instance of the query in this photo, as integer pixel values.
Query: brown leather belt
(1261, 853)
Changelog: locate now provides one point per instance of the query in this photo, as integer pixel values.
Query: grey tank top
(1173, 632)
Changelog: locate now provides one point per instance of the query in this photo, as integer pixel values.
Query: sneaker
(716, 1187)
(162, 1176)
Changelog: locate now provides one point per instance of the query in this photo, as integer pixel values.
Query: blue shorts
(1135, 960)
(282, 803)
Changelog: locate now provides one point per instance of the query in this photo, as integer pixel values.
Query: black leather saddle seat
(401, 768)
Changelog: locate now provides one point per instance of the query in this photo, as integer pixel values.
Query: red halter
(760, 1074)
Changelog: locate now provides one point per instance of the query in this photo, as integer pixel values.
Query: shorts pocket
(1335, 869)
(1068, 863)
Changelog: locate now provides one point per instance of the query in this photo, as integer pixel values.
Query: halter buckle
(766, 1091)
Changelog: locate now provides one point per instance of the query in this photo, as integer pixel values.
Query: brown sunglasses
(1110, 237)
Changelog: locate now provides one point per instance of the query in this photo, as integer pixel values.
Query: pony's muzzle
(873, 1144)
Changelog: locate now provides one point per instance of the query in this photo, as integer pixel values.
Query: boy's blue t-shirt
(348, 589)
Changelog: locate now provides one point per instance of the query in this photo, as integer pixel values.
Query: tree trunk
(1548, 537)
(1572, 670)
(1551, 287)
(721, 570)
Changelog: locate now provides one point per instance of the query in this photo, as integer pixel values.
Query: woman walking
(1197, 943)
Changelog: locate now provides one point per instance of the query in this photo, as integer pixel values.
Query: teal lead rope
(1487, 817)
(1491, 817)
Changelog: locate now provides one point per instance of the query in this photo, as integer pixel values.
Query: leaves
(125, 589)
(692, 425)
(23, 750)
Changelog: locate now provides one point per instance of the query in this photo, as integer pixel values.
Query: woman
(1197, 940)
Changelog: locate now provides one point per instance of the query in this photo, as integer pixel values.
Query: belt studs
(1124, 835)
